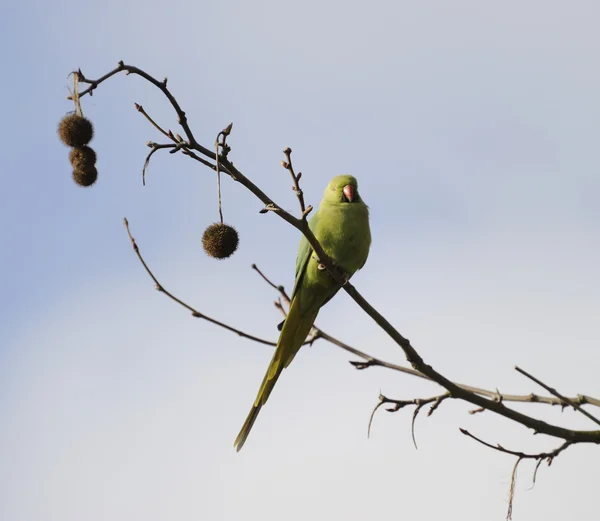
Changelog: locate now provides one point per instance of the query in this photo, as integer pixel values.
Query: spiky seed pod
(220, 240)
(75, 131)
(85, 177)
(82, 158)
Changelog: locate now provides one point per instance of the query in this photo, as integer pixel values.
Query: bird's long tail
(294, 332)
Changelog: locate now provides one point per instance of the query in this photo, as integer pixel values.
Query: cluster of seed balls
(76, 132)
(219, 240)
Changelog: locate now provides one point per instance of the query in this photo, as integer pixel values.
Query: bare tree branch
(523, 455)
(296, 179)
(419, 403)
(162, 85)
(540, 456)
(553, 391)
(483, 399)
(141, 110)
(195, 313)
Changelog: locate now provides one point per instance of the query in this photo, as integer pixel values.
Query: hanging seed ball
(85, 177)
(220, 240)
(82, 158)
(75, 131)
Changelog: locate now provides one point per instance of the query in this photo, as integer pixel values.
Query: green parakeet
(341, 225)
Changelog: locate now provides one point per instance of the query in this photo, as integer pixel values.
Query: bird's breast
(345, 235)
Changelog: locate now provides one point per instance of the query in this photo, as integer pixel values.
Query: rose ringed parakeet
(341, 225)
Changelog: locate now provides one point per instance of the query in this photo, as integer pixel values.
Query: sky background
(473, 129)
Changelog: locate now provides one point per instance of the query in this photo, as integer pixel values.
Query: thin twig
(187, 152)
(280, 288)
(419, 403)
(412, 424)
(195, 313)
(287, 164)
(141, 110)
(155, 147)
(540, 456)
(162, 85)
(553, 391)
(537, 466)
(523, 455)
(379, 404)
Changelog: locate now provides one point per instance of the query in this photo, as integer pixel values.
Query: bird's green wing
(304, 253)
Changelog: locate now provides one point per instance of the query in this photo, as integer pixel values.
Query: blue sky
(472, 128)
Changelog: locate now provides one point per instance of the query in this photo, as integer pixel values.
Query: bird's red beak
(349, 192)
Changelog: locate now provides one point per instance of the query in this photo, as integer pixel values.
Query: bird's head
(342, 189)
